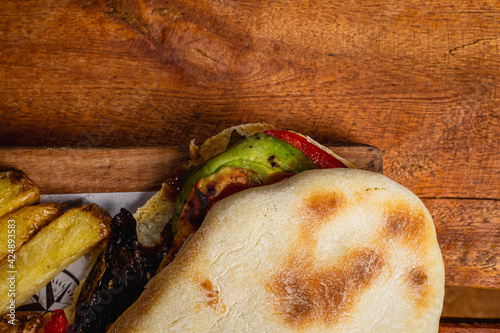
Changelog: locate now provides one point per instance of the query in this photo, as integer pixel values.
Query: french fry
(16, 191)
(18, 227)
(51, 250)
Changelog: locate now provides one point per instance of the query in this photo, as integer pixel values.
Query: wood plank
(418, 79)
(464, 302)
(469, 236)
(468, 328)
(94, 170)
(101, 170)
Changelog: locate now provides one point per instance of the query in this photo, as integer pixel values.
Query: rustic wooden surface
(417, 79)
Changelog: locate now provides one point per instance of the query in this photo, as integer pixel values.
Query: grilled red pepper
(57, 323)
(322, 159)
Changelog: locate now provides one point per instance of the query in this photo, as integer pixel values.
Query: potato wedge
(51, 250)
(26, 221)
(16, 191)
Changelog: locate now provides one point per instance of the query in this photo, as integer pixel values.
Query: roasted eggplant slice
(117, 278)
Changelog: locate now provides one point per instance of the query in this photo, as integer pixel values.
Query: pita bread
(338, 250)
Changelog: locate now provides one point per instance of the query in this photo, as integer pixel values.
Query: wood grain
(418, 79)
(469, 236)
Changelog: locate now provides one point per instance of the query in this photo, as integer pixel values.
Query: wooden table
(418, 79)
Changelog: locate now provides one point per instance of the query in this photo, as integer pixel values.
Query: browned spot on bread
(418, 276)
(316, 210)
(305, 292)
(211, 296)
(405, 224)
(320, 206)
(417, 281)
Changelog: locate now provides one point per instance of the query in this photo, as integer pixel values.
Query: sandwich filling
(260, 159)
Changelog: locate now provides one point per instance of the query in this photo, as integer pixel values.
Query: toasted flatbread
(338, 250)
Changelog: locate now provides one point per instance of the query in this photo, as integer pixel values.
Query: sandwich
(268, 231)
